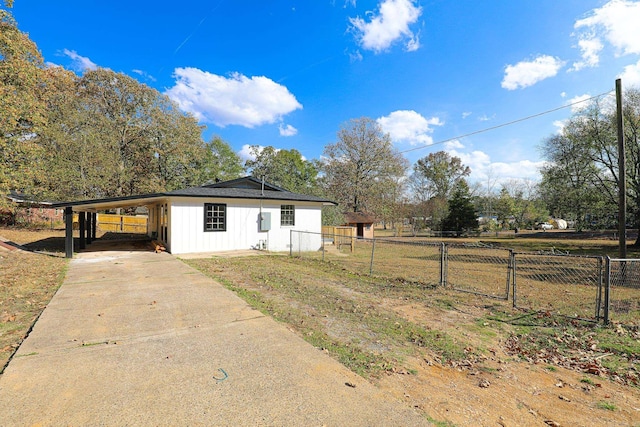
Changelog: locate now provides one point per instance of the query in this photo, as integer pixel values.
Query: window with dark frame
(215, 217)
(287, 215)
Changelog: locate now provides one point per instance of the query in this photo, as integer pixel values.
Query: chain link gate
(568, 285)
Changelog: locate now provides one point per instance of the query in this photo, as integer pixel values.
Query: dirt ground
(493, 387)
(500, 390)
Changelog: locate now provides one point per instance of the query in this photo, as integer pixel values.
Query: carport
(87, 211)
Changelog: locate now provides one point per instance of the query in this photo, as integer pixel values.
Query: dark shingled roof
(244, 193)
(242, 188)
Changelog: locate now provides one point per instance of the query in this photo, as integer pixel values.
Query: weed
(438, 423)
(606, 405)
(587, 381)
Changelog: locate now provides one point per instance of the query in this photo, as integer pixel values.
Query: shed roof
(243, 188)
(359, 218)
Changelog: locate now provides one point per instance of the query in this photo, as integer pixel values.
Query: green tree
(504, 207)
(284, 168)
(441, 172)
(22, 106)
(519, 201)
(590, 140)
(221, 163)
(361, 167)
(462, 216)
(124, 138)
(569, 185)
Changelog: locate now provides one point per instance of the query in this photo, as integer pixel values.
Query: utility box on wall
(265, 221)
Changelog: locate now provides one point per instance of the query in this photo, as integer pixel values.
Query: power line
(506, 124)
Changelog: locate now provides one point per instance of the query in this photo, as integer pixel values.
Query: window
(215, 217)
(287, 215)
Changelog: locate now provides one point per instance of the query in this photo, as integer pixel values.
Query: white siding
(187, 235)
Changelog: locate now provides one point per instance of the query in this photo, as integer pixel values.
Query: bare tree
(362, 169)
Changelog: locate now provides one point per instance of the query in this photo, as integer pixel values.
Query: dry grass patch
(29, 281)
(436, 348)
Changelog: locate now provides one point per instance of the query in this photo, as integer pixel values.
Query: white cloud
(246, 152)
(485, 118)
(355, 56)
(578, 102)
(79, 63)
(559, 124)
(413, 44)
(390, 24)
(409, 126)
(287, 130)
(453, 145)
(145, 75)
(631, 75)
(616, 22)
(466, 114)
(233, 100)
(590, 48)
(483, 168)
(528, 73)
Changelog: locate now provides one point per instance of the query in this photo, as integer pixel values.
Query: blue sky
(289, 73)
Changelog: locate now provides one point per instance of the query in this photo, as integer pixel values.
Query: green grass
(340, 310)
(438, 423)
(334, 309)
(606, 405)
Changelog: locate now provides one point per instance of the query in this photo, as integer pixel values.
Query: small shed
(362, 222)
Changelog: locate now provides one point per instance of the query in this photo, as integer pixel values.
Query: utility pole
(622, 175)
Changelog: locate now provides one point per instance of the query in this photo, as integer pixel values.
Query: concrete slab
(139, 338)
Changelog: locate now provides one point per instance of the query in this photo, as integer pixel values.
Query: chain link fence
(567, 285)
(479, 269)
(622, 296)
(583, 287)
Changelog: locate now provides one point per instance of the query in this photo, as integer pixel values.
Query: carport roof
(243, 188)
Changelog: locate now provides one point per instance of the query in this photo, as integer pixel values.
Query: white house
(234, 215)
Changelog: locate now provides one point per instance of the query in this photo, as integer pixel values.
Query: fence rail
(122, 223)
(592, 288)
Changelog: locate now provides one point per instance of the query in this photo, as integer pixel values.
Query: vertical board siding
(187, 234)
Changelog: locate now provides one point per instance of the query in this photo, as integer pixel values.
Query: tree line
(104, 134)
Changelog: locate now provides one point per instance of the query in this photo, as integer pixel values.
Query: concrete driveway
(139, 338)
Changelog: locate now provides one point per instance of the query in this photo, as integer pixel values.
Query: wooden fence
(341, 236)
(122, 223)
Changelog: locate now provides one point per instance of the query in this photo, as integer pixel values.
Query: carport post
(89, 236)
(68, 237)
(82, 228)
(94, 224)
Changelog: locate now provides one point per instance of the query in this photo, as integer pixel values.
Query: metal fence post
(373, 250)
(291, 243)
(607, 288)
(443, 267)
(509, 274)
(514, 282)
(599, 294)
(322, 238)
